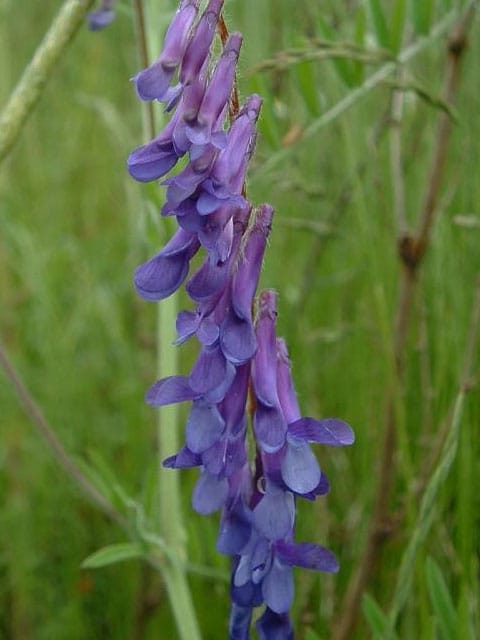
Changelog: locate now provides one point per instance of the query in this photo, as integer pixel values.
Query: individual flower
(103, 17)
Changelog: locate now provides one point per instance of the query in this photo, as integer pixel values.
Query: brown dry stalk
(411, 250)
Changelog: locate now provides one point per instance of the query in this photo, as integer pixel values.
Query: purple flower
(153, 83)
(217, 93)
(161, 276)
(103, 17)
(269, 566)
(274, 626)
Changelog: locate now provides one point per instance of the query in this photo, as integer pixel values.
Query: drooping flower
(103, 17)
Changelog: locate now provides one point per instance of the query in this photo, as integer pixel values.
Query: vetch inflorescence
(242, 375)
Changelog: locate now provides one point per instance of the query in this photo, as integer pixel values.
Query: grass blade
(441, 600)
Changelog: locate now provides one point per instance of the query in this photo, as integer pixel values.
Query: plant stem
(30, 86)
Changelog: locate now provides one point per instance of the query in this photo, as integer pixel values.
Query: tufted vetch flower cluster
(242, 378)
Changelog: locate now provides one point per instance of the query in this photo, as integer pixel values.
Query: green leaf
(379, 23)
(308, 87)
(343, 68)
(422, 13)
(398, 25)
(376, 618)
(360, 32)
(311, 635)
(441, 600)
(113, 553)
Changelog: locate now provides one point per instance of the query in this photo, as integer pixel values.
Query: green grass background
(73, 226)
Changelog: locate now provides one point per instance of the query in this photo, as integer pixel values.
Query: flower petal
(274, 626)
(278, 587)
(300, 469)
(330, 432)
(170, 391)
(274, 515)
(184, 459)
(270, 428)
(204, 426)
(209, 494)
(308, 556)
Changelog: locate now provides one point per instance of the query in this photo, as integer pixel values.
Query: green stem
(30, 86)
(169, 490)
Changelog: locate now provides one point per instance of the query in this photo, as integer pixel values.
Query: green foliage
(112, 554)
(441, 600)
(73, 227)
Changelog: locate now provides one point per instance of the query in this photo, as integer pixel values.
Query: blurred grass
(72, 229)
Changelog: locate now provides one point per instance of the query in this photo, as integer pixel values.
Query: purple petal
(151, 161)
(209, 371)
(100, 19)
(185, 459)
(162, 275)
(170, 391)
(199, 46)
(237, 339)
(187, 325)
(217, 93)
(286, 390)
(330, 432)
(274, 515)
(274, 626)
(264, 370)
(204, 427)
(216, 395)
(278, 587)
(240, 620)
(308, 556)
(235, 531)
(322, 489)
(209, 494)
(209, 281)
(153, 83)
(270, 428)
(300, 469)
(208, 332)
(247, 595)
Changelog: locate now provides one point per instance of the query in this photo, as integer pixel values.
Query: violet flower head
(103, 17)
(241, 381)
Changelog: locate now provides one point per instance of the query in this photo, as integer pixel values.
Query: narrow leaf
(379, 23)
(441, 600)
(343, 68)
(308, 87)
(398, 25)
(376, 618)
(111, 554)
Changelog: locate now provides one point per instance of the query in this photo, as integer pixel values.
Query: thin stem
(30, 86)
(411, 252)
(48, 434)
